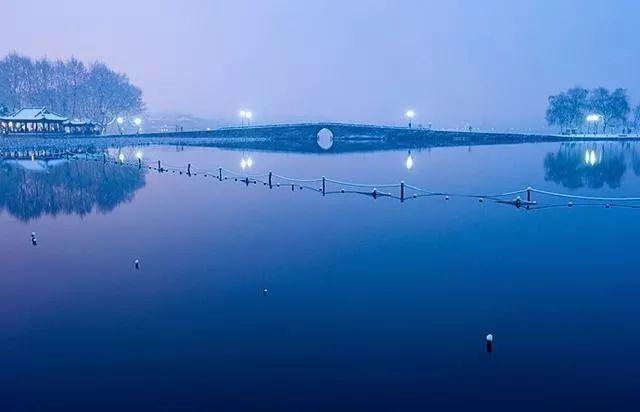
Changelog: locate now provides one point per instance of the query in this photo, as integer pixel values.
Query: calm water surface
(371, 304)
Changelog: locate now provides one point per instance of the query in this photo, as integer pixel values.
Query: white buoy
(265, 291)
(136, 263)
(489, 343)
(34, 241)
(570, 204)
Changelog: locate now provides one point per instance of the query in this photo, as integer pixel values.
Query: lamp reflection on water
(409, 161)
(590, 157)
(246, 162)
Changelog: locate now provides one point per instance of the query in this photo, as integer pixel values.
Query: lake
(251, 298)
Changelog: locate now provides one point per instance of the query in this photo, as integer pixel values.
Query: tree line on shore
(68, 87)
(579, 110)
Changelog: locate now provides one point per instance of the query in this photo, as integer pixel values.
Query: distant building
(41, 121)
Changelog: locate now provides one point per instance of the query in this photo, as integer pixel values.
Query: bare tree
(635, 122)
(567, 109)
(68, 87)
(613, 107)
(109, 94)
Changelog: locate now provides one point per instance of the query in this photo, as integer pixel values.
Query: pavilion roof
(33, 114)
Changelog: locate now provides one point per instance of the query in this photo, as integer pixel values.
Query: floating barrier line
(352, 184)
(603, 199)
(291, 179)
(275, 180)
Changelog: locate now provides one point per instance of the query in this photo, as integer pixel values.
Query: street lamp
(137, 121)
(410, 115)
(594, 118)
(246, 114)
(120, 121)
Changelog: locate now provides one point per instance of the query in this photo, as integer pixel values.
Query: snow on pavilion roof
(31, 114)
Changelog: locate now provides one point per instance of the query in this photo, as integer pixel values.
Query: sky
(487, 63)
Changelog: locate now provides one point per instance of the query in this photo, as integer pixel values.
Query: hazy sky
(483, 62)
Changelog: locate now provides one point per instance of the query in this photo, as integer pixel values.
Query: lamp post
(243, 115)
(120, 121)
(594, 118)
(138, 122)
(410, 115)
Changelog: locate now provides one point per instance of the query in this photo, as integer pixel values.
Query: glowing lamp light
(137, 121)
(139, 154)
(590, 157)
(593, 117)
(243, 164)
(249, 162)
(121, 157)
(410, 114)
(409, 162)
(243, 113)
(120, 120)
(248, 115)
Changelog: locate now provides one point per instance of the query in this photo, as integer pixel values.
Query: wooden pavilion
(40, 121)
(33, 121)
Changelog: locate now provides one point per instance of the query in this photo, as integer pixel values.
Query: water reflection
(409, 161)
(577, 165)
(635, 160)
(30, 189)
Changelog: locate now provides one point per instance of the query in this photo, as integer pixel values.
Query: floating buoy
(341, 190)
(607, 206)
(570, 204)
(136, 263)
(34, 241)
(481, 200)
(265, 291)
(446, 198)
(489, 343)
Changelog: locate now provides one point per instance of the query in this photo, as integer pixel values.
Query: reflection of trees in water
(635, 160)
(75, 187)
(570, 166)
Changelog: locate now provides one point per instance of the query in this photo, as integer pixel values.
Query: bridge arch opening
(325, 138)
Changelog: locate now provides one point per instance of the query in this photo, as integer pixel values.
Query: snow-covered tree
(567, 109)
(71, 88)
